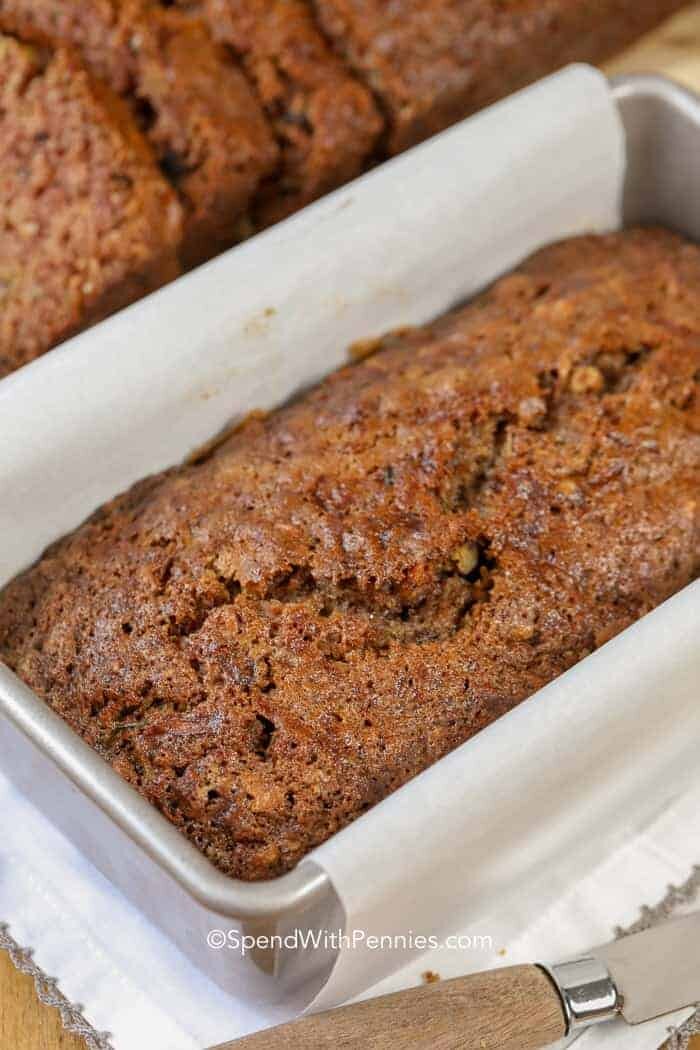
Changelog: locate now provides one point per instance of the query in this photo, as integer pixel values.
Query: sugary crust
(433, 63)
(192, 101)
(87, 222)
(270, 641)
(325, 120)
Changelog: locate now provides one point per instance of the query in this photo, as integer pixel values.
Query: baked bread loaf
(88, 224)
(326, 121)
(192, 101)
(269, 641)
(324, 88)
(432, 63)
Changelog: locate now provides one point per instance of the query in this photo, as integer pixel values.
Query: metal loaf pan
(134, 845)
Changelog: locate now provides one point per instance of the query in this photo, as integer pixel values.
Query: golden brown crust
(432, 63)
(193, 102)
(270, 641)
(88, 223)
(325, 120)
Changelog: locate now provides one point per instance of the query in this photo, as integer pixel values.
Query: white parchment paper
(141, 390)
(509, 820)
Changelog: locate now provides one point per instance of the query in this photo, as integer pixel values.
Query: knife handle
(515, 1008)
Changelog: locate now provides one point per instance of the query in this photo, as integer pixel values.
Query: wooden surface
(674, 50)
(25, 1024)
(515, 1008)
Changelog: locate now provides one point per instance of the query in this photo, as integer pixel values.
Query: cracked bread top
(268, 642)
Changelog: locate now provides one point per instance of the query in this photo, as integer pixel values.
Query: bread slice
(88, 224)
(326, 122)
(192, 100)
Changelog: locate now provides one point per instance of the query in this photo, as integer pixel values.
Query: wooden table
(27, 1025)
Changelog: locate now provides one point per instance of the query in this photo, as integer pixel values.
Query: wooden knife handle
(516, 1008)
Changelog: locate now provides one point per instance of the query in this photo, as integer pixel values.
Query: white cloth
(134, 984)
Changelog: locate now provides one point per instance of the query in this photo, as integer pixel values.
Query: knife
(515, 1008)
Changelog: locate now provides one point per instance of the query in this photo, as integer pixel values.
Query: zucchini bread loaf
(269, 641)
(433, 63)
(292, 99)
(87, 222)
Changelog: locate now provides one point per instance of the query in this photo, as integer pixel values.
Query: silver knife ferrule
(588, 992)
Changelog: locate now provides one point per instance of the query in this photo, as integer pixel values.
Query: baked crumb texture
(87, 222)
(270, 641)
